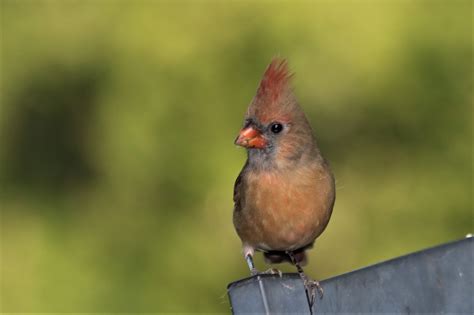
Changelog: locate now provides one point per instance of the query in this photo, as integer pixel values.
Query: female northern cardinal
(284, 195)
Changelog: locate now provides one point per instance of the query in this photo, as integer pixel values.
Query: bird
(285, 192)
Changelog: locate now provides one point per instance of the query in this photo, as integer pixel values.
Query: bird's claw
(271, 271)
(313, 286)
(274, 271)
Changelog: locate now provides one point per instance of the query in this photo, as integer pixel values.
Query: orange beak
(251, 138)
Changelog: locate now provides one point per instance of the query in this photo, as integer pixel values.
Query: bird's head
(275, 127)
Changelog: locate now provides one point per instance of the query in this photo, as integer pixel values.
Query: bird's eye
(276, 127)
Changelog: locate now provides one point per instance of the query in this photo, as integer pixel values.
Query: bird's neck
(261, 159)
(272, 159)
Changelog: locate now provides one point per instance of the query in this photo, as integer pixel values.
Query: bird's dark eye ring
(276, 127)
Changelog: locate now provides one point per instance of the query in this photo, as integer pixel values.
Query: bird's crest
(274, 98)
(275, 80)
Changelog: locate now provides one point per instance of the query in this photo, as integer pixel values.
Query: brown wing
(238, 189)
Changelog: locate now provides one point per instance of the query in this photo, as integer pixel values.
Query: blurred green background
(117, 124)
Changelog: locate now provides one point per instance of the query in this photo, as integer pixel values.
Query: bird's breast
(285, 210)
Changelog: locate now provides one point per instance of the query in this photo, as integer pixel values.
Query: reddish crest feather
(275, 80)
(274, 99)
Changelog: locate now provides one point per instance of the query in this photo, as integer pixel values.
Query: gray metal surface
(438, 280)
(269, 294)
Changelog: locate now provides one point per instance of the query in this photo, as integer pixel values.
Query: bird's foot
(312, 288)
(274, 271)
(310, 285)
(271, 271)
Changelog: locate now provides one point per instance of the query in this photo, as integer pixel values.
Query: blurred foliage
(117, 125)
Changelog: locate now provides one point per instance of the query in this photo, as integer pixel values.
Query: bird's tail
(277, 257)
